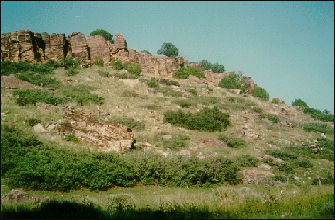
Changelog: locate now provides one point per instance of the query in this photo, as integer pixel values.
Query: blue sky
(286, 47)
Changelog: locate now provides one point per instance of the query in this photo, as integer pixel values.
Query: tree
(168, 49)
(299, 102)
(216, 68)
(108, 36)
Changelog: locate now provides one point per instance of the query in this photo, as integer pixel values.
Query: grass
(129, 122)
(232, 141)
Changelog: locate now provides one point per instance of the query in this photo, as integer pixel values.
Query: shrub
(207, 119)
(257, 109)
(281, 154)
(129, 122)
(52, 63)
(71, 137)
(286, 167)
(168, 49)
(327, 179)
(68, 62)
(317, 127)
(116, 64)
(232, 141)
(317, 114)
(192, 91)
(303, 163)
(260, 93)
(273, 118)
(32, 96)
(103, 73)
(232, 81)
(108, 36)
(71, 71)
(176, 142)
(246, 161)
(275, 101)
(216, 68)
(184, 103)
(299, 102)
(81, 94)
(8, 68)
(134, 68)
(99, 61)
(185, 71)
(152, 83)
(169, 82)
(33, 121)
(38, 79)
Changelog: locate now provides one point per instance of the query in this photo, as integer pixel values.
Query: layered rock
(99, 48)
(55, 46)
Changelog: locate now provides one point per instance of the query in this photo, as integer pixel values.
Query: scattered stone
(38, 128)
(167, 136)
(17, 196)
(323, 135)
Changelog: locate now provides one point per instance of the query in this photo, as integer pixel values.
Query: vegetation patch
(81, 94)
(232, 141)
(317, 127)
(246, 161)
(33, 121)
(133, 68)
(317, 114)
(103, 73)
(260, 93)
(215, 67)
(32, 96)
(8, 68)
(207, 119)
(169, 82)
(129, 122)
(232, 81)
(185, 71)
(38, 79)
(125, 76)
(184, 103)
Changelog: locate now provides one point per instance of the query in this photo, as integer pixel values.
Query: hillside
(135, 133)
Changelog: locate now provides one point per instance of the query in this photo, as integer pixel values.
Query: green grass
(318, 127)
(232, 141)
(129, 122)
(39, 79)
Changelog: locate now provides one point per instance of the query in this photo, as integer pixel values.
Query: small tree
(108, 36)
(299, 102)
(260, 93)
(168, 49)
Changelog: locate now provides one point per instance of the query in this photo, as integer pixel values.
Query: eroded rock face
(106, 136)
(98, 48)
(79, 46)
(55, 46)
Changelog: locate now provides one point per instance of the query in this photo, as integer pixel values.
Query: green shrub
(232, 141)
(216, 68)
(281, 154)
(286, 167)
(176, 142)
(280, 178)
(317, 127)
(275, 101)
(71, 71)
(52, 63)
(108, 36)
(81, 94)
(168, 49)
(184, 103)
(8, 68)
(68, 62)
(299, 102)
(33, 121)
(192, 91)
(260, 93)
(38, 79)
(207, 119)
(273, 118)
(317, 114)
(129, 122)
(246, 161)
(185, 71)
(152, 83)
(134, 68)
(303, 163)
(169, 82)
(71, 137)
(103, 73)
(232, 81)
(116, 64)
(33, 164)
(257, 109)
(328, 179)
(32, 96)
(99, 62)
(126, 76)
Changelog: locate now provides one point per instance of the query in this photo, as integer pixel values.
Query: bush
(246, 161)
(273, 118)
(81, 94)
(281, 154)
(134, 68)
(33, 121)
(32, 96)
(129, 122)
(232, 81)
(71, 137)
(232, 142)
(299, 102)
(116, 64)
(257, 109)
(192, 91)
(303, 163)
(108, 36)
(207, 119)
(8, 68)
(275, 101)
(103, 73)
(185, 71)
(38, 79)
(33, 164)
(99, 61)
(68, 62)
(316, 127)
(71, 71)
(184, 103)
(317, 114)
(169, 82)
(168, 49)
(152, 83)
(216, 68)
(260, 93)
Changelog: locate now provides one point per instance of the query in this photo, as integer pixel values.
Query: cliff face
(28, 46)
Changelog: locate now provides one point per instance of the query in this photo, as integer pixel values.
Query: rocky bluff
(25, 45)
